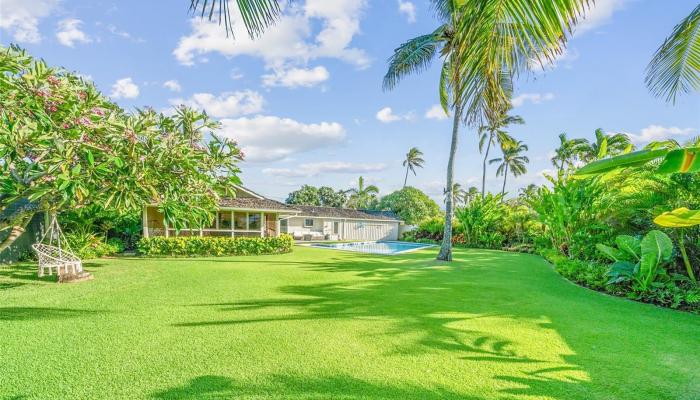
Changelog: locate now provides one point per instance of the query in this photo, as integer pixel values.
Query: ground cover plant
(326, 324)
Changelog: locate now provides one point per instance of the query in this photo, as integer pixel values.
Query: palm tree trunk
(505, 176)
(406, 178)
(483, 175)
(445, 253)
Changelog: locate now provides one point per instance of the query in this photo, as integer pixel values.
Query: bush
(117, 244)
(87, 245)
(214, 246)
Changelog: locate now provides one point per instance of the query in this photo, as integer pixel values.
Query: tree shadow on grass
(467, 310)
(39, 313)
(292, 387)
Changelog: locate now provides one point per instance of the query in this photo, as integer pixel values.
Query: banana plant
(683, 160)
(681, 218)
(638, 260)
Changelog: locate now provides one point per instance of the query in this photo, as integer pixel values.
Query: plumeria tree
(63, 145)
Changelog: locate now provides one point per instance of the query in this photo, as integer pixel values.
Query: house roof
(348, 213)
(251, 203)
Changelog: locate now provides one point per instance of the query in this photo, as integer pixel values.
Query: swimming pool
(374, 247)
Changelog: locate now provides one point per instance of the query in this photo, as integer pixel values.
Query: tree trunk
(505, 176)
(483, 175)
(446, 248)
(17, 231)
(406, 178)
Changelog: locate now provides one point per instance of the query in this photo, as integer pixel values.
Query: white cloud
(68, 32)
(236, 74)
(386, 115)
(600, 13)
(296, 77)
(270, 138)
(436, 112)
(230, 104)
(172, 85)
(124, 88)
(324, 167)
(534, 98)
(21, 18)
(657, 132)
(305, 32)
(409, 9)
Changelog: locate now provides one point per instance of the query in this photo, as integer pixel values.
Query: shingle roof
(349, 213)
(255, 204)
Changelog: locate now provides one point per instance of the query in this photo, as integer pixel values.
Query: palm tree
(512, 161)
(495, 131)
(676, 65)
(604, 146)
(413, 159)
(362, 196)
(567, 152)
(484, 45)
(471, 194)
(458, 193)
(257, 15)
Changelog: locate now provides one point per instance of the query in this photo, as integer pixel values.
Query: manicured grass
(319, 324)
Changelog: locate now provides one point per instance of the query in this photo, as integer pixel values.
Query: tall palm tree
(362, 196)
(675, 68)
(414, 159)
(471, 194)
(568, 151)
(484, 45)
(257, 15)
(459, 195)
(512, 161)
(605, 145)
(495, 130)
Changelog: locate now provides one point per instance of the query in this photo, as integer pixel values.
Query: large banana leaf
(656, 249)
(680, 160)
(678, 218)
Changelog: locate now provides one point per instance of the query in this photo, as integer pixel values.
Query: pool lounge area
(381, 247)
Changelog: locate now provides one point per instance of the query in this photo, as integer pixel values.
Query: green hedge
(214, 246)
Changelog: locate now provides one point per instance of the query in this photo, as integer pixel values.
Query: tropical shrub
(640, 261)
(214, 246)
(480, 220)
(87, 245)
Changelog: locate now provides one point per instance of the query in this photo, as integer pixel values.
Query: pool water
(375, 247)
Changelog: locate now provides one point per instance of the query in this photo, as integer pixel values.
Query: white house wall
(349, 229)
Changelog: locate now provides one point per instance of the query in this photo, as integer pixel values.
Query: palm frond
(411, 57)
(675, 68)
(257, 15)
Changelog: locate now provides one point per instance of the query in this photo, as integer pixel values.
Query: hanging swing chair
(55, 253)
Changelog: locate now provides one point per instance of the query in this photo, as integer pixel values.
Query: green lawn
(319, 324)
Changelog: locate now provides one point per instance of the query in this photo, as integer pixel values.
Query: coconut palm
(605, 145)
(568, 151)
(413, 160)
(512, 161)
(257, 15)
(362, 197)
(495, 131)
(675, 68)
(458, 193)
(483, 45)
(471, 194)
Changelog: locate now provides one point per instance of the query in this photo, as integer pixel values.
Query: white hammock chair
(56, 253)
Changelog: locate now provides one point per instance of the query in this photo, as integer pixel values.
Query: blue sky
(305, 101)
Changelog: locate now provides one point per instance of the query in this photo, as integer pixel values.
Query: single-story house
(251, 214)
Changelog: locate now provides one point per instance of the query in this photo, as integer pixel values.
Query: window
(336, 227)
(240, 220)
(284, 226)
(254, 222)
(308, 222)
(224, 220)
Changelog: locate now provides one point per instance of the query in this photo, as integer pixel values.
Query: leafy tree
(413, 160)
(512, 161)
(410, 204)
(484, 44)
(604, 145)
(675, 68)
(495, 131)
(363, 197)
(331, 198)
(308, 195)
(63, 145)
